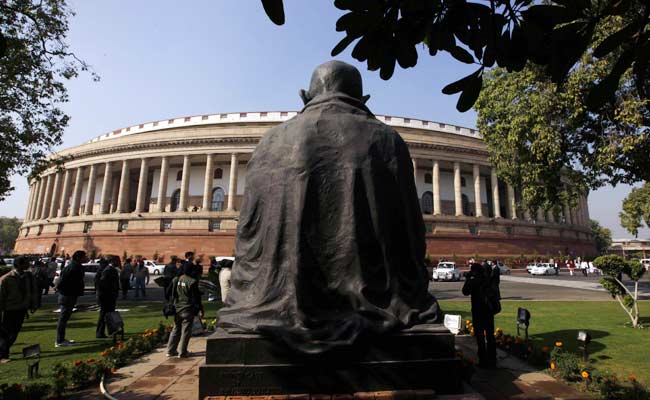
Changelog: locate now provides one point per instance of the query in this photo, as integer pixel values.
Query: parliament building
(170, 186)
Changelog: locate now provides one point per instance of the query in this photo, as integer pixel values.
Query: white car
(543, 269)
(446, 271)
(503, 269)
(646, 263)
(530, 267)
(154, 269)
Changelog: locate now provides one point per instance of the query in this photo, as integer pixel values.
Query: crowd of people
(22, 288)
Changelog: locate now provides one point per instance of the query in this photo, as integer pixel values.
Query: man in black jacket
(70, 287)
(478, 286)
(107, 288)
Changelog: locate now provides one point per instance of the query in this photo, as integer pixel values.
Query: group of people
(586, 267)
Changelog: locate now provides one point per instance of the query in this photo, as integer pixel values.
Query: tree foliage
(602, 237)
(636, 209)
(549, 142)
(34, 63)
(507, 33)
(9, 229)
(614, 267)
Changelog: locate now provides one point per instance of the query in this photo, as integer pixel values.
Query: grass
(615, 347)
(41, 328)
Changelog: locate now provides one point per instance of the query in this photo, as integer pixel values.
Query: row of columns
(577, 216)
(55, 194)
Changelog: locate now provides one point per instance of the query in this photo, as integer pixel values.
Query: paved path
(574, 284)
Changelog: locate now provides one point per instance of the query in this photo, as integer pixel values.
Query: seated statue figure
(330, 242)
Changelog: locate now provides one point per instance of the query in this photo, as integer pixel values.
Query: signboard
(452, 322)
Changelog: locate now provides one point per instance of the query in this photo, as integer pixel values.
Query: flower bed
(76, 375)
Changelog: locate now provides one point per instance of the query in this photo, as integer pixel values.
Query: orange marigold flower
(585, 374)
(113, 370)
(632, 378)
(558, 344)
(104, 353)
(91, 360)
(545, 349)
(553, 366)
(77, 363)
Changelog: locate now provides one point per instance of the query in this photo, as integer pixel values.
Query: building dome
(165, 187)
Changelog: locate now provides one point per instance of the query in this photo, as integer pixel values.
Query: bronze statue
(330, 241)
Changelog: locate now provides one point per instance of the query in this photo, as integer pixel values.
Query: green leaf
(274, 10)
(470, 94)
(614, 40)
(461, 54)
(605, 90)
(345, 42)
(460, 84)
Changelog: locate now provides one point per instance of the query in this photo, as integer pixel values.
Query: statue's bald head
(335, 76)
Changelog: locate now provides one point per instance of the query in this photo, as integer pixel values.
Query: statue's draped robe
(330, 241)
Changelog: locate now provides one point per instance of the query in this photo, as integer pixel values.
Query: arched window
(463, 182)
(427, 203)
(179, 175)
(218, 173)
(218, 197)
(465, 203)
(428, 178)
(175, 201)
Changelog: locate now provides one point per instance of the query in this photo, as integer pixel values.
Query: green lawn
(41, 328)
(621, 349)
(614, 347)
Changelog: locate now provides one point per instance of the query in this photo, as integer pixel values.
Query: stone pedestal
(420, 358)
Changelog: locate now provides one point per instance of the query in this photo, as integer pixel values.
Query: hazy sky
(158, 59)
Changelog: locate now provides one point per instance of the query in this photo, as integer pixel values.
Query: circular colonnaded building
(166, 187)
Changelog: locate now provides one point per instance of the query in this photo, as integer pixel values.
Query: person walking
(126, 275)
(186, 297)
(107, 288)
(224, 278)
(40, 274)
(70, 287)
(52, 266)
(19, 293)
(482, 285)
(171, 270)
(570, 266)
(213, 277)
(141, 275)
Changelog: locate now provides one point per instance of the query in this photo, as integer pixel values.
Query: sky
(157, 59)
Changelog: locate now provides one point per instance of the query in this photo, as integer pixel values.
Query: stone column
(115, 194)
(65, 194)
(437, 210)
(495, 194)
(185, 184)
(415, 169)
(207, 185)
(527, 215)
(585, 199)
(76, 196)
(39, 200)
(90, 192)
(123, 194)
(45, 212)
(512, 202)
(29, 201)
(458, 200)
(540, 215)
(142, 186)
(478, 206)
(162, 184)
(104, 203)
(54, 207)
(550, 216)
(232, 186)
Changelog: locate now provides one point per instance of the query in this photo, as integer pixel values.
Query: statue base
(420, 358)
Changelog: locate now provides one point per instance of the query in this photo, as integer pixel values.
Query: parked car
(503, 269)
(646, 263)
(9, 262)
(154, 269)
(90, 271)
(446, 271)
(530, 267)
(543, 269)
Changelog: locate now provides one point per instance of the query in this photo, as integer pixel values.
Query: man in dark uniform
(186, 297)
(70, 287)
(107, 288)
(478, 286)
(19, 293)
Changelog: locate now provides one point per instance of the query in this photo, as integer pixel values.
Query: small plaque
(452, 322)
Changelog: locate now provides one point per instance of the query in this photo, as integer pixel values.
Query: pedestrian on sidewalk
(19, 293)
(186, 297)
(125, 278)
(107, 288)
(70, 287)
(141, 275)
(480, 285)
(570, 265)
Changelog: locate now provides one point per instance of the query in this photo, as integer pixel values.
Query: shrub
(565, 365)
